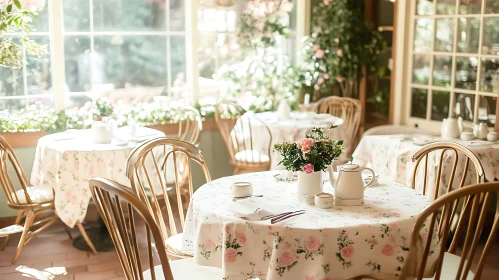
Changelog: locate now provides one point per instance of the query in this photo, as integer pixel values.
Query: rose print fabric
(292, 130)
(66, 164)
(337, 243)
(391, 156)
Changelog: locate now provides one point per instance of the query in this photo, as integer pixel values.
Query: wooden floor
(51, 255)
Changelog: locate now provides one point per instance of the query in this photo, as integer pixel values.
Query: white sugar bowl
(492, 136)
(242, 189)
(324, 200)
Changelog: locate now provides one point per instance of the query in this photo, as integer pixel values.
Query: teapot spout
(332, 178)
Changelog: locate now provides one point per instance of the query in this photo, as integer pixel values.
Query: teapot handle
(372, 179)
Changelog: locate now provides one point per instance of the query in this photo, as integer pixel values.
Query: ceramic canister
(242, 189)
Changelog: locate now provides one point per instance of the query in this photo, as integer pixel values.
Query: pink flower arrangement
(308, 168)
(347, 252)
(319, 54)
(313, 244)
(315, 48)
(230, 255)
(339, 53)
(305, 144)
(286, 259)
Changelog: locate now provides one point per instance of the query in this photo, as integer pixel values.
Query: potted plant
(309, 157)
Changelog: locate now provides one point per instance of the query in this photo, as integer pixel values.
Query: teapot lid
(349, 167)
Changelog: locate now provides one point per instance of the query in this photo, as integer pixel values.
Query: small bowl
(324, 200)
(492, 136)
(466, 136)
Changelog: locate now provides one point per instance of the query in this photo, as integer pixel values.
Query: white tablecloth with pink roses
(391, 156)
(65, 162)
(337, 243)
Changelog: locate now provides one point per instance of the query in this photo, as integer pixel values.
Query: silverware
(282, 218)
(275, 216)
(244, 197)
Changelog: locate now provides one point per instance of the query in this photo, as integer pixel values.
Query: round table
(293, 130)
(337, 243)
(65, 162)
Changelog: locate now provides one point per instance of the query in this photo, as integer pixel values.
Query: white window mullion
(303, 15)
(168, 61)
(479, 72)
(191, 46)
(57, 52)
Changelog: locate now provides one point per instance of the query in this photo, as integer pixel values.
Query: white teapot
(349, 186)
(284, 110)
(100, 133)
(451, 128)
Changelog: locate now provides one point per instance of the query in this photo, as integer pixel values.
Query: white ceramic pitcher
(349, 186)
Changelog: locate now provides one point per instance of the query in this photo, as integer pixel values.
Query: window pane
(489, 81)
(464, 106)
(446, 7)
(442, 66)
(491, 7)
(466, 71)
(468, 35)
(12, 104)
(11, 82)
(40, 101)
(38, 72)
(76, 15)
(487, 110)
(78, 63)
(444, 37)
(129, 15)
(421, 69)
(470, 7)
(440, 105)
(491, 36)
(178, 64)
(216, 49)
(424, 7)
(177, 14)
(423, 35)
(419, 103)
(42, 24)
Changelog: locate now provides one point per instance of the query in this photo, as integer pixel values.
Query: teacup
(324, 200)
(242, 189)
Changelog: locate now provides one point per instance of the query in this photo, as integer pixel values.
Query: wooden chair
(124, 215)
(148, 171)
(34, 203)
(395, 129)
(437, 218)
(237, 132)
(190, 125)
(349, 110)
(456, 150)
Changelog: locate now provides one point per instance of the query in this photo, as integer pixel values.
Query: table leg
(99, 237)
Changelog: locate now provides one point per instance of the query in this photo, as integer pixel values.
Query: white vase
(308, 186)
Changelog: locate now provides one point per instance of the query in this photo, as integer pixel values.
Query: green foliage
(316, 149)
(342, 42)
(102, 108)
(14, 19)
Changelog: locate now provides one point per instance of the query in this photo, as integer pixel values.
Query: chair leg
(30, 218)
(19, 217)
(236, 171)
(68, 231)
(85, 236)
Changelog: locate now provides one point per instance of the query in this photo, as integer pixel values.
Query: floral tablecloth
(337, 243)
(66, 162)
(391, 156)
(293, 130)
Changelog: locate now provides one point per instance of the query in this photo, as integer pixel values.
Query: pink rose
(326, 2)
(305, 150)
(387, 250)
(313, 244)
(320, 81)
(241, 238)
(347, 252)
(308, 168)
(230, 255)
(315, 47)
(326, 76)
(339, 53)
(209, 244)
(286, 259)
(317, 87)
(339, 79)
(319, 54)
(305, 142)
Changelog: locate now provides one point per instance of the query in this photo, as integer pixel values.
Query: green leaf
(9, 8)
(18, 4)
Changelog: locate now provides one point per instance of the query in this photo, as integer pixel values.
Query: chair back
(429, 153)
(161, 165)
(237, 131)
(395, 129)
(124, 215)
(349, 110)
(438, 218)
(9, 163)
(190, 125)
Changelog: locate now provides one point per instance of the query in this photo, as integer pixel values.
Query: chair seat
(174, 244)
(251, 156)
(38, 194)
(450, 268)
(186, 269)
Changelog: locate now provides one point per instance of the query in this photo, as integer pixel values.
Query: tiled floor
(51, 255)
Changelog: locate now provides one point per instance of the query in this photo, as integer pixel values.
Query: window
(454, 60)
